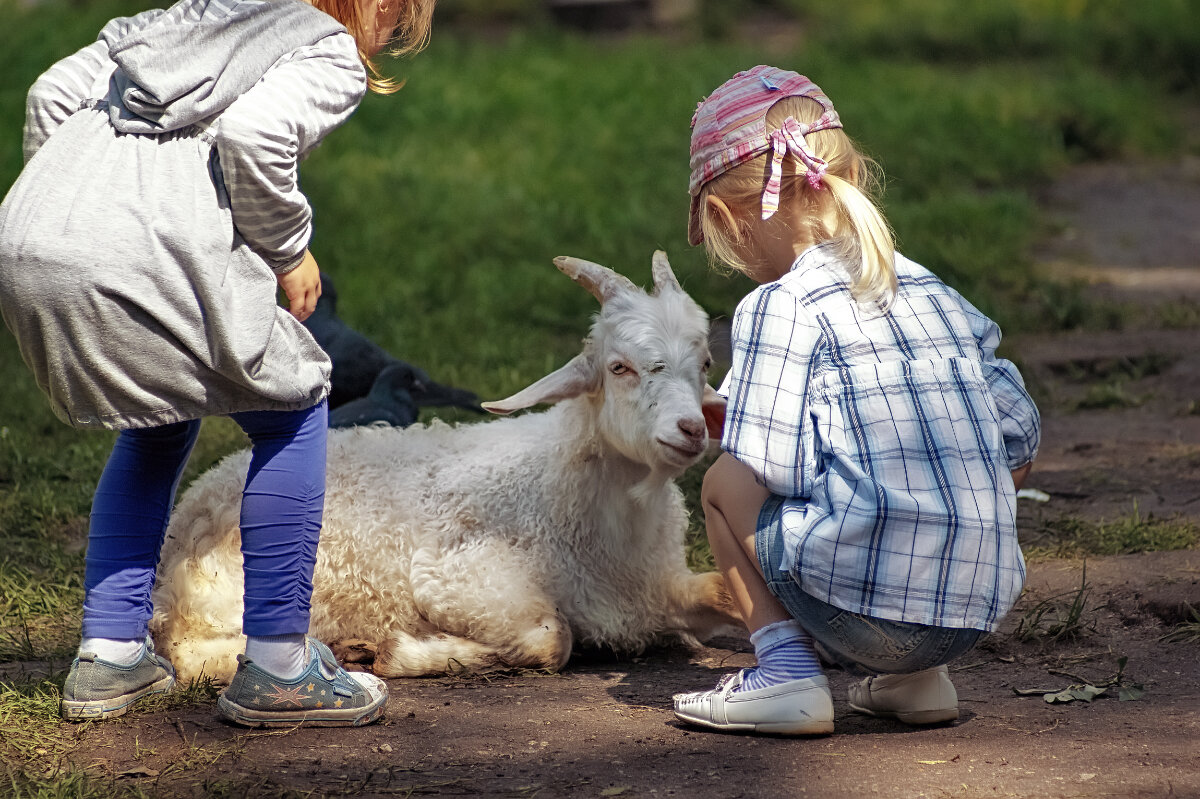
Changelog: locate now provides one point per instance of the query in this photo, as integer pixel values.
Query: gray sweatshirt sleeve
(59, 91)
(265, 133)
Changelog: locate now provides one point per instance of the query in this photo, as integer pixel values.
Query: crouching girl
(865, 500)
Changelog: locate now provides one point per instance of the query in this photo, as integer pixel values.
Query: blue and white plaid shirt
(892, 436)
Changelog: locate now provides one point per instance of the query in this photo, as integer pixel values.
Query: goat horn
(602, 282)
(663, 276)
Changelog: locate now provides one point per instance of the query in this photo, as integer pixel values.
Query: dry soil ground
(603, 726)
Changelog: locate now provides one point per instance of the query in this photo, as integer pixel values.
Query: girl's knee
(731, 488)
(709, 489)
(718, 479)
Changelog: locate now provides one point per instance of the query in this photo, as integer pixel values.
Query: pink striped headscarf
(730, 128)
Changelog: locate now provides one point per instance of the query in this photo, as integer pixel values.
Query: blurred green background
(518, 138)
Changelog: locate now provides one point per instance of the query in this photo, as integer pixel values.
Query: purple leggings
(282, 506)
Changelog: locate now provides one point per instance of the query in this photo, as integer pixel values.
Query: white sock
(283, 656)
(785, 652)
(121, 651)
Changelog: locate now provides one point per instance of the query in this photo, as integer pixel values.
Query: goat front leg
(704, 606)
(403, 654)
(484, 610)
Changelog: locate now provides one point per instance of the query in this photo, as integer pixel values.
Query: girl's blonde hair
(411, 34)
(862, 235)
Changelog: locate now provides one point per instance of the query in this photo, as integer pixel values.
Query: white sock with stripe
(785, 652)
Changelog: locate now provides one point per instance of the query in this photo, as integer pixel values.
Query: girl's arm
(767, 424)
(1020, 421)
(264, 135)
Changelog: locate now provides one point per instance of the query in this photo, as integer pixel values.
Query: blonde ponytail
(868, 244)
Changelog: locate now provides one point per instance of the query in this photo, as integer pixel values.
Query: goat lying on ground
(498, 544)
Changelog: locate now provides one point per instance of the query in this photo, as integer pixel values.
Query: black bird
(389, 400)
(359, 362)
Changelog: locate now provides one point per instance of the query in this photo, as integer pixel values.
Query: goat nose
(692, 428)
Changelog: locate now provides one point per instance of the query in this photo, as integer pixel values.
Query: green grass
(34, 743)
(1075, 537)
(439, 210)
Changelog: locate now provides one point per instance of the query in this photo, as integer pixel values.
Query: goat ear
(602, 282)
(663, 276)
(575, 378)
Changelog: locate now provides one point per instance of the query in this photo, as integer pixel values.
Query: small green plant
(1062, 616)
(1126, 367)
(1108, 395)
(1187, 632)
(1178, 315)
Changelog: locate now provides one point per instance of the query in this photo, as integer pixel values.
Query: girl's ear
(724, 214)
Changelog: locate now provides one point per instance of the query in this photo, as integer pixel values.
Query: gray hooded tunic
(139, 248)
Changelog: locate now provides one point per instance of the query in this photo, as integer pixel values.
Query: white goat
(492, 544)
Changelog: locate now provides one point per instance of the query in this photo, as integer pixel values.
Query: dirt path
(604, 728)
(1129, 234)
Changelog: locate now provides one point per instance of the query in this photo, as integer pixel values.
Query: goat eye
(707, 365)
(619, 369)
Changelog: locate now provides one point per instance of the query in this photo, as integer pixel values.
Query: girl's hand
(713, 407)
(302, 286)
(1019, 475)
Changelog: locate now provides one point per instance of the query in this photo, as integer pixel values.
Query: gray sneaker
(256, 698)
(97, 689)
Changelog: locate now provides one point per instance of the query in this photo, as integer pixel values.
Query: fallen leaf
(1085, 693)
(616, 790)
(932, 762)
(1129, 693)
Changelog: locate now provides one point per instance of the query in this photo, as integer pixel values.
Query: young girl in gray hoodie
(141, 251)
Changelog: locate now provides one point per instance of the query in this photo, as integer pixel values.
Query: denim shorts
(852, 640)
